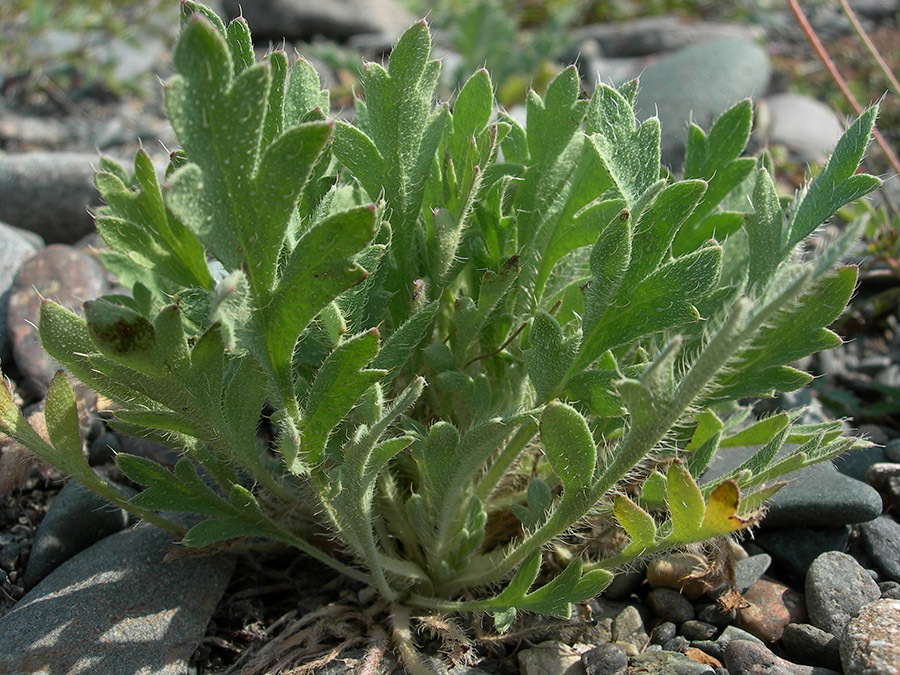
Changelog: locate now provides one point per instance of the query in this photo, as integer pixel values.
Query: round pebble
(676, 644)
(698, 630)
(714, 615)
(771, 607)
(608, 659)
(674, 571)
(837, 586)
(670, 605)
(804, 643)
(663, 632)
(889, 590)
(882, 540)
(871, 640)
(748, 658)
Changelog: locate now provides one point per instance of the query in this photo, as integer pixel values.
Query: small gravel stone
(882, 541)
(890, 590)
(748, 658)
(698, 630)
(608, 659)
(624, 584)
(673, 571)
(628, 626)
(771, 607)
(855, 463)
(9, 555)
(550, 658)
(730, 634)
(676, 644)
(670, 605)
(871, 640)
(804, 643)
(668, 663)
(879, 475)
(663, 632)
(837, 586)
(714, 615)
(795, 548)
(749, 570)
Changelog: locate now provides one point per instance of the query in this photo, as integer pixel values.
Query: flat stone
(795, 548)
(808, 128)
(628, 627)
(77, 518)
(49, 193)
(821, 496)
(772, 606)
(748, 658)
(806, 644)
(882, 540)
(335, 19)
(668, 663)
(836, 588)
(718, 646)
(699, 83)
(117, 607)
(871, 640)
(60, 273)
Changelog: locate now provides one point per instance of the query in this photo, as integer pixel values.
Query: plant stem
(403, 640)
(506, 459)
(819, 48)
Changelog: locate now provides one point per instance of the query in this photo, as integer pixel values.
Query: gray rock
(795, 548)
(77, 518)
(749, 570)
(882, 540)
(808, 128)
(306, 19)
(117, 607)
(663, 632)
(857, 462)
(698, 84)
(59, 273)
(668, 663)
(628, 627)
(677, 644)
(550, 658)
(892, 450)
(748, 658)
(713, 614)
(16, 245)
(836, 588)
(698, 630)
(871, 641)
(670, 605)
(608, 659)
(804, 643)
(879, 475)
(48, 193)
(717, 647)
(625, 583)
(651, 35)
(820, 496)
(890, 590)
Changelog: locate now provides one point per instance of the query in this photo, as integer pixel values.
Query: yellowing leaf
(721, 511)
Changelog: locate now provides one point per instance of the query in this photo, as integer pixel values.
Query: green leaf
(837, 184)
(637, 523)
(685, 502)
(568, 445)
(630, 152)
(765, 230)
(319, 269)
(549, 357)
(552, 122)
(403, 342)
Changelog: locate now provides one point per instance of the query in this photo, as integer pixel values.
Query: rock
(713, 614)
(625, 583)
(20, 133)
(48, 193)
(103, 449)
(117, 607)
(608, 659)
(892, 450)
(882, 540)
(628, 627)
(15, 246)
(334, 19)
(663, 632)
(871, 640)
(808, 128)
(57, 272)
(718, 646)
(879, 475)
(795, 548)
(821, 496)
(804, 643)
(677, 644)
(550, 658)
(651, 35)
(698, 83)
(875, 9)
(673, 571)
(890, 590)
(698, 630)
(836, 588)
(856, 463)
(772, 606)
(748, 658)
(76, 519)
(670, 605)
(749, 570)
(668, 663)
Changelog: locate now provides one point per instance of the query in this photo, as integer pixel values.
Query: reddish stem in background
(873, 50)
(838, 79)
